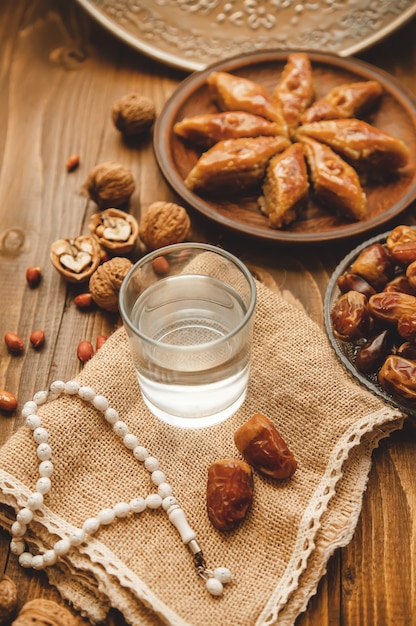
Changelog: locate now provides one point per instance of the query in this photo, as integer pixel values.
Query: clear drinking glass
(188, 312)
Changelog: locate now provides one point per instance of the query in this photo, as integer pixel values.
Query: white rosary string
(214, 579)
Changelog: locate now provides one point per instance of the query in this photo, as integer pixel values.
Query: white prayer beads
(214, 580)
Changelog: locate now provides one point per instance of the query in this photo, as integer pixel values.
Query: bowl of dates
(370, 315)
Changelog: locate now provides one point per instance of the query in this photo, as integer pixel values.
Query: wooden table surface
(60, 73)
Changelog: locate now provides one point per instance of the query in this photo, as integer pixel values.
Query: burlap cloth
(138, 564)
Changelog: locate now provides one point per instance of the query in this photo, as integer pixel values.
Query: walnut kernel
(164, 223)
(76, 259)
(110, 184)
(106, 281)
(115, 230)
(133, 114)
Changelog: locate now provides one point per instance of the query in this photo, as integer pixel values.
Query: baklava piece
(234, 164)
(348, 100)
(334, 183)
(294, 91)
(285, 188)
(369, 149)
(236, 93)
(206, 129)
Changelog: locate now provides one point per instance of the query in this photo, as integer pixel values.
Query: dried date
(354, 282)
(374, 265)
(230, 490)
(404, 253)
(407, 350)
(391, 306)
(350, 316)
(372, 354)
(261, 445)
(400, 234)
(397, 375)
(411, 274)
(406, 326)
(400, 283)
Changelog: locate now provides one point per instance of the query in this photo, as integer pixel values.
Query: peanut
(72, 162)
(8, 401)
(160, 265)
(14, 343)
(37, 339)
(101, 339)
(33, 276)
(85, 351)
(83, 300)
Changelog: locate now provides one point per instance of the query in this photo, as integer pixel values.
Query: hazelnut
(133, 115)
(76, 259)
(164, 223)
(115, 230)
(106, 281)
(8, 599)
(45, 613)
(110, 184)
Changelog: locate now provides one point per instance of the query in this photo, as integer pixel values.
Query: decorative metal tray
(191, 34)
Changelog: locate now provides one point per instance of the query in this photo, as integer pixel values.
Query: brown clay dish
(396, 115)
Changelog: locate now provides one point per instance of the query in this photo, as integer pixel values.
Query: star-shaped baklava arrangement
(290, 145)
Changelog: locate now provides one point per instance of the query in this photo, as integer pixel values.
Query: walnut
(133, 115)
(8, 599)
(116, 231)
(110, 184)
(164, 223)
(42, 612)
(76, 259)
(106, 281)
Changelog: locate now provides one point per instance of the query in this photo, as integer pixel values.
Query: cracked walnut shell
(133, 114)
(43, 612)
(76, 259)
(110, 184)
(106, 281)
(164, 223)
(116, 231)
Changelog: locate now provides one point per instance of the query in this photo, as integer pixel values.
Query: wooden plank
(60, 73)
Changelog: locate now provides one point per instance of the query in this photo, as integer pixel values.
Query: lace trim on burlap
(91, 558)
(311, 520)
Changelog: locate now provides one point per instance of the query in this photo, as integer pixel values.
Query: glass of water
(188, 311)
